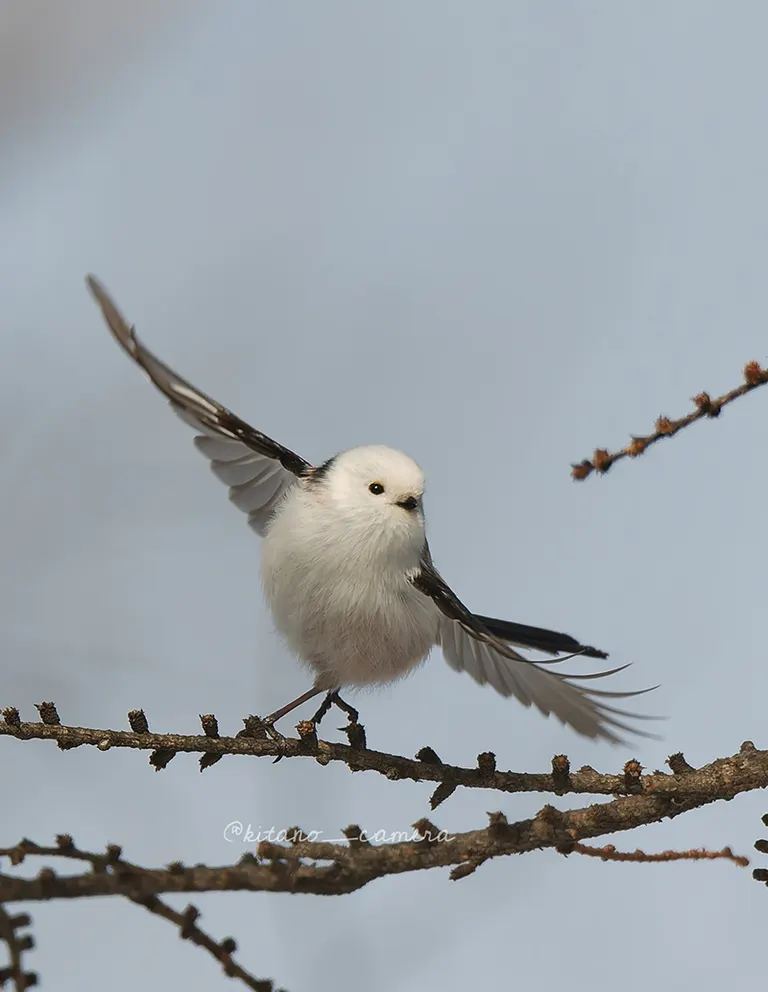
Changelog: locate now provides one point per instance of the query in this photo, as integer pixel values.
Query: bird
(347, 571)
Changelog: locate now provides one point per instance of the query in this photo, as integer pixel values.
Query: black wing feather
(185, 397)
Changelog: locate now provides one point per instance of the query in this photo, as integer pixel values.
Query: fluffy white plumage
(347, 570)
(335, 564)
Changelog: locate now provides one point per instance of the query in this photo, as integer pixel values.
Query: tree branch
(9, 925)
(761, 845)
(112, 862)
(609, 853)
(602, 460)
(222, 950)
(723, 778)
(330, 868)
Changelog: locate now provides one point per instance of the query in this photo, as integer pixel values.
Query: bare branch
(332, 868)
(609, 853)
(189, 930)
(723, 778)
(299, 864)
(761, 845)
(602, 460)
(111, 863)
(17, 944)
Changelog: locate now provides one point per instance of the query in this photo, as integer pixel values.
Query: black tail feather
(538, 638)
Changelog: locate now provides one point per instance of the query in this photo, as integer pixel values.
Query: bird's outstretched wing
(257, 469)
(469, 645)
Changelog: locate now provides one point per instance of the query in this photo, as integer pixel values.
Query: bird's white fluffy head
(356, 476)
(378, 487)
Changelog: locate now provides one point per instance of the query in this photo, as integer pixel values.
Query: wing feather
(258, 470)
(469, 646)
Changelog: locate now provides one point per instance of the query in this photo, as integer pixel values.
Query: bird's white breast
(338, 592)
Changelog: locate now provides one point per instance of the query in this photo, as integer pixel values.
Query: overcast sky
(495, 235)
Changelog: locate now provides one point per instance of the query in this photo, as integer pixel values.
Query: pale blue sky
(494, 235)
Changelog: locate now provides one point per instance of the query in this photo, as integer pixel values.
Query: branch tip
(486, 764)
(137, 721)
(48, 713)
(11, 716)
(582, 470)
(633, 772)
(561, 773)
(428, 756)
(444, 791)
(678, 765)
(753, 374)
(210, 724)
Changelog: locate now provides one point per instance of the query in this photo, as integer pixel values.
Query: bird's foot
(333, 698)
(352, 714)
(262, 727)
(269, 727)
(354, 730)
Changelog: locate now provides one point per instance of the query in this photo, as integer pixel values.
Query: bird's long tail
(538, 638)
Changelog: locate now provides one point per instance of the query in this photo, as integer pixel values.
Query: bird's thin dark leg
(324, 707)
(354, 729)
(279, 714)
(354, 716)
(334, 699)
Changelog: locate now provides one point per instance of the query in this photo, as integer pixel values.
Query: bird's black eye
(376, 488)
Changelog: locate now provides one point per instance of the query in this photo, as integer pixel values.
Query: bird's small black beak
(410, 503)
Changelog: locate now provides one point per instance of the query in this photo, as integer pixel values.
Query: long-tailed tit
(347, 570)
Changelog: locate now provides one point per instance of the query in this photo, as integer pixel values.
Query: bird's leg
(284, 710)
(354, 716)
(334, 699)
(324, 707)
(354, 730)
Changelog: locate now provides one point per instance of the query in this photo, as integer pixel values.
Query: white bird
(347, 571)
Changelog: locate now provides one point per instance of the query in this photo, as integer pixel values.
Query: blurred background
(495, 235)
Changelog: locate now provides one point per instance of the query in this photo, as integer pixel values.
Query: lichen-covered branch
(602, 460)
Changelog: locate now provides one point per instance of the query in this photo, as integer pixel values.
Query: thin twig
(609, 853)
(17, 944)
(761, 845)
(112, 864)
(222, 950)
(602, 460)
